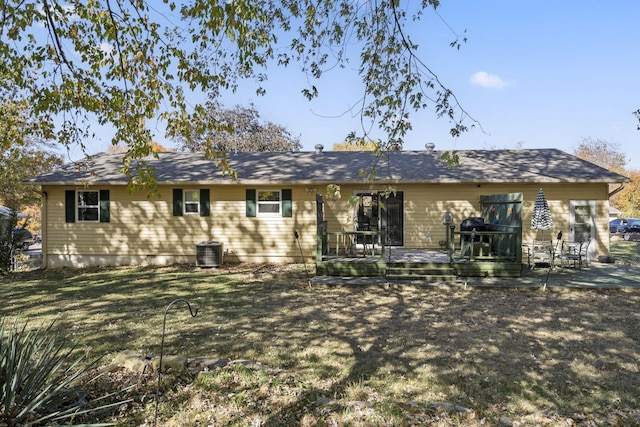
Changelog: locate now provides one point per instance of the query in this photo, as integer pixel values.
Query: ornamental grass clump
(40, 378)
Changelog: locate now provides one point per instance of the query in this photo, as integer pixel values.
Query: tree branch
(52, 28)
(118, 47)
(447, 92)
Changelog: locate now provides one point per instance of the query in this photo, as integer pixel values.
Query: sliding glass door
(375, 211)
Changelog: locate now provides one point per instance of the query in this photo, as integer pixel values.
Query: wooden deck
(393, 255)
(418, 264)
(493, 250)
(492, 253)
(427, 256)
(598, 276)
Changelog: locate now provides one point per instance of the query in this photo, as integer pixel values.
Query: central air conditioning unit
(209, 254)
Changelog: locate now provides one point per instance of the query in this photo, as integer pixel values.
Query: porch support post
(319, 239)
(320, 228)
(452, 243)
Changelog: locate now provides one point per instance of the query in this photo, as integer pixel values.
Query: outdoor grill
(469, 224)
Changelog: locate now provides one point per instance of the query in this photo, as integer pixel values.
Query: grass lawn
(625, 252)
(362, 356)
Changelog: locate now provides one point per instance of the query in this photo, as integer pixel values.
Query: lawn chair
(575, 253)
(541, 252)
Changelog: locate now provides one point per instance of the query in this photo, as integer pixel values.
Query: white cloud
(106, 48)
(484, 79)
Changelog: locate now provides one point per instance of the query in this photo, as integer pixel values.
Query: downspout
(43, 229)
(617, 190)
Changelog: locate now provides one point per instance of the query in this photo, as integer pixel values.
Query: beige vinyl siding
(263, 238)
(559, 197)
(144, 231)
(424, 205)
(423, 209)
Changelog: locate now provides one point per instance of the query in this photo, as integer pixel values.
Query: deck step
(442, 273)
(423, 277)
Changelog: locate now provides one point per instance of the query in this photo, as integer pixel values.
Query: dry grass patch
(357, 356)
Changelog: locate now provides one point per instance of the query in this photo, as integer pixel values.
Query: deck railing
(350, 244)
(498, 243)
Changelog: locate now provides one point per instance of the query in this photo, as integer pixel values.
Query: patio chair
(575, 253)
(540, 252)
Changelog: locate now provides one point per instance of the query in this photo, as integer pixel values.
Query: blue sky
(535, 74)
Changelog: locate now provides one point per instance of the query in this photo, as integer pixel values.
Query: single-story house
(6, 214)
(614, 213)
(278, 209)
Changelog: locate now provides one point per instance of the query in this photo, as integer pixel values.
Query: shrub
(39, 378)
(7, 242)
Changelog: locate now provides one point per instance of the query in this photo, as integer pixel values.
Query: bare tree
(237, 129)
(602, 153)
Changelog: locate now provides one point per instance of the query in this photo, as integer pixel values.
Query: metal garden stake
(164, 322)
(295, 233)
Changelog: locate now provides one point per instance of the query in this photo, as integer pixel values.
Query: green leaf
(130, 65)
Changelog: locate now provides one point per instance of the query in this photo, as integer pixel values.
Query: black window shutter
(70, 206)
(105, 214)
(251, 202)
(205, 204)
(287, 204)
(177, 202)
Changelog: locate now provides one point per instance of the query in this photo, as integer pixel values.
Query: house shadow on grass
(495, 350)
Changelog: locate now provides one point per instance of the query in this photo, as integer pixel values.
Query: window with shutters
(88, 206)
(191, 202)
(268, 202)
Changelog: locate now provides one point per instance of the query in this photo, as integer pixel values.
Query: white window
(88, 206)
(191, 202)
(268, 202)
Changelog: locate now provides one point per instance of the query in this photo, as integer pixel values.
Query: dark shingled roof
(341, 167)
